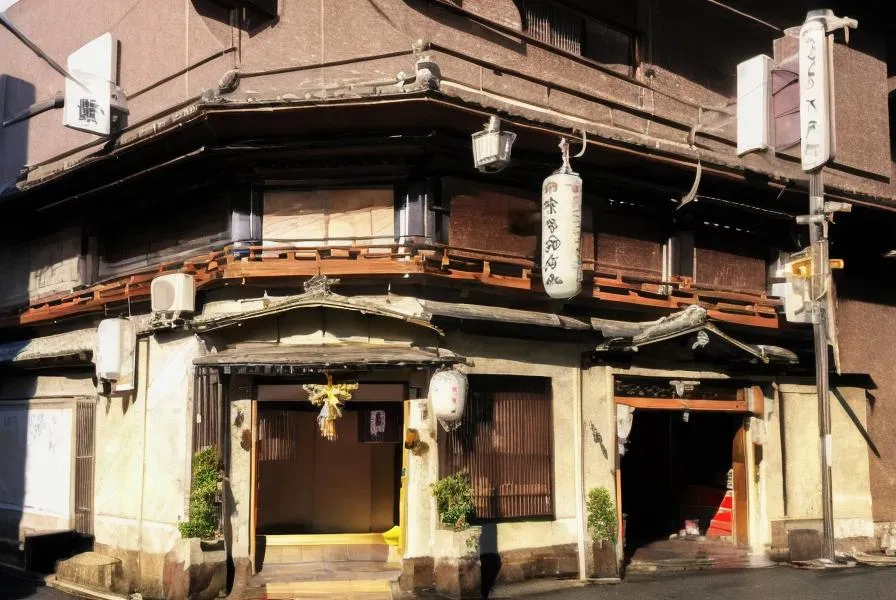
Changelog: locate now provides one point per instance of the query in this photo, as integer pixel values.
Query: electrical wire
(745, 15)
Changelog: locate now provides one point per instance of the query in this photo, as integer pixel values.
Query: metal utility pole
(817, 148)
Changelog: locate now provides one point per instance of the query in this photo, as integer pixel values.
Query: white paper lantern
(448, 396)
(561, 235)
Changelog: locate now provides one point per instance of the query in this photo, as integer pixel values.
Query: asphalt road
(778, 583)
(13, 588)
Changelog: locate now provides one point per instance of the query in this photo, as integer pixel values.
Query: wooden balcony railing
(441, 262)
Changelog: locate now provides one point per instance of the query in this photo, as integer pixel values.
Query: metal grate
(207, 410)
(505, 443)
(85, 420)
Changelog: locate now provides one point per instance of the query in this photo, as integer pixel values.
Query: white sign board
(754, 101)
(88, 100)
(815, 99)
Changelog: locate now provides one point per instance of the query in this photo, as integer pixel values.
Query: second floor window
(579, 33)
(329, 217)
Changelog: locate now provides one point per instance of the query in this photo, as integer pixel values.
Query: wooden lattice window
(505, 443)
(577, 31)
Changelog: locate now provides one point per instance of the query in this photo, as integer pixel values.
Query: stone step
(341, 571)
(92, 570)
(317, 553)
(358, 589)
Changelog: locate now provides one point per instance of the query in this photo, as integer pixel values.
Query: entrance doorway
(675, 474)
(310, 485)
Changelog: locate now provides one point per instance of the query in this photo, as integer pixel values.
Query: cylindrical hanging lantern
(561, 233)
(448, 395)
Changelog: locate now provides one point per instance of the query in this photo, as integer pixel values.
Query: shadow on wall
(13, 448)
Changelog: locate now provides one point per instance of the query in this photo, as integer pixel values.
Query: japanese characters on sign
(561, 232)
(815, 112)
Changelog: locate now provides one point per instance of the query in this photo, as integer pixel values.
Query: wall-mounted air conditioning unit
(114, 355)
(172, 297)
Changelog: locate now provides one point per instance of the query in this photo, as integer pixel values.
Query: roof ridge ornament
(319, 285)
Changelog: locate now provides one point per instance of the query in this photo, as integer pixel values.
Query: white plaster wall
(142, 450)
(850, 470)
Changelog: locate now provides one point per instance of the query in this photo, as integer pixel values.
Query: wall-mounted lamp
(413, 442)
(491, 147)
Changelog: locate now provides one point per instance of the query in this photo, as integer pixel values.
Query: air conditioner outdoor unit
(172, 296)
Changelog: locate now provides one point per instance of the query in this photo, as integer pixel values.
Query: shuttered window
(329, 217)
(505, 443)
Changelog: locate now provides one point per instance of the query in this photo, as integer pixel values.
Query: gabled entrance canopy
(625, 336)
(281, 359)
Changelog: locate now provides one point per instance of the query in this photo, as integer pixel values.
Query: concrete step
(92, 570)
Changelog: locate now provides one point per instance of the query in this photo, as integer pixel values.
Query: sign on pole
(815, 97)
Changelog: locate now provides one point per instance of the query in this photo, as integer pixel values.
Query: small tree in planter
(203, 518)
(456, 552)
(602, 527)
(454, 500)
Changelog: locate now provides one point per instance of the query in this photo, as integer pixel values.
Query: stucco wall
(141, 481)
(802, 453)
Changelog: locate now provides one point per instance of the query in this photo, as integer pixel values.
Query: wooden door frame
(254, 479)
(749, 401)
(253, 483)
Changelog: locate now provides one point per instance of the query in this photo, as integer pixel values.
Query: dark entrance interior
(674, 470)
(307, 484)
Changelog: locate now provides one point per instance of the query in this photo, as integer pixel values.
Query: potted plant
(456, 549)
(202, 521)
(602, 528)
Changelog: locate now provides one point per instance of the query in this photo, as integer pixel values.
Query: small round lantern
(448, 396)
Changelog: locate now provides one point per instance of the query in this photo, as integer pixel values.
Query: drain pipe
(579, 466)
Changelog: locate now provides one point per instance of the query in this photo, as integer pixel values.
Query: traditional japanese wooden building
(308, 165)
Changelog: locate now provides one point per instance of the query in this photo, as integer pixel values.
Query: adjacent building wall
(866, 346)
(675, 79)
(802, 458)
